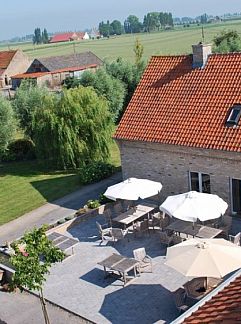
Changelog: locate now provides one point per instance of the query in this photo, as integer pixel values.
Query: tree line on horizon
(40, 37)
(152, 21)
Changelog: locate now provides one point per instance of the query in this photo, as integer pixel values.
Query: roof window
(234, 115)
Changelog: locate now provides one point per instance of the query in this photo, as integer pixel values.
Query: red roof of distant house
(65, 37)
(224, 307)
(29, 75)
(40, 74)
(176, 104)
(6, 57)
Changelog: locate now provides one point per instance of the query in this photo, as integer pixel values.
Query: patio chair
(213, 282)
(141, 227)
(225, 224)
(176, 239)
(118, 234)
(165, 239)
(144, 259)
(127, 204)
(117, 209)
(180, 300)
(164, 222)
(104, 233)
(235, 238)
(108, 217)
(155, 220)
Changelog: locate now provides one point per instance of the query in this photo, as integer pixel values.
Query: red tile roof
(39, 74)
(65, 37)
(176, 104)
(29, 75)
(5, 58)
(225, 307)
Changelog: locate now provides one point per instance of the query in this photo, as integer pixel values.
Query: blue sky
(21, 17)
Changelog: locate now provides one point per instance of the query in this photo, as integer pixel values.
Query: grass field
(176, 41)
(25, 186)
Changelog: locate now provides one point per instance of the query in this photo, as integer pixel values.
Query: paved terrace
(78, 283)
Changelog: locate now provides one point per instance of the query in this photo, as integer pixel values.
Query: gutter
(213, 293)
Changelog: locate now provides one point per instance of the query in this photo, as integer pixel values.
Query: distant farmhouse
(12, 62)
(68, 37)
(52, 71)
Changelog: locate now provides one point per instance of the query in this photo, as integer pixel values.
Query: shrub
(95, 172)
(103, 199)
(19, 150)
(92, 204)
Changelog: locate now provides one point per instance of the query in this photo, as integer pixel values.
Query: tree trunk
(43, 305)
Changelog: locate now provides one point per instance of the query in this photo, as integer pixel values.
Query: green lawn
(25, 186)
(176, 41)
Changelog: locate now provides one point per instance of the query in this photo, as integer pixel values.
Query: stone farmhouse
(52, 71)
(68, 37)
(182, 126)
(12, 62)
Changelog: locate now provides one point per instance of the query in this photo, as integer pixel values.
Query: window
(234, 115)
(200, 182)
(236, 195)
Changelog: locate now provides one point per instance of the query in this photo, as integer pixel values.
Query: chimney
(200, 54)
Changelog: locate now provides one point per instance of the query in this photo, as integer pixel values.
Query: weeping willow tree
(73, 130)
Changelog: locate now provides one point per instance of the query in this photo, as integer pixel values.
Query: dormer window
(234, 115)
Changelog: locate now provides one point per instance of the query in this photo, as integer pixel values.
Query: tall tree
(227, 41)
(7, 122)
(107, 86)
(75, 131)
(37, 37)
(116, 27)
(27, 100)
(138, 50)
(45, 36)
(135, 25)
(33, 257)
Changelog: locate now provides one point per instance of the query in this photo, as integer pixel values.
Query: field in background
(25, 186)
(176, 41)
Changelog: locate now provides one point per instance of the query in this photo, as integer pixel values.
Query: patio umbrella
(192, 205)
(204, 257)
(133, 189)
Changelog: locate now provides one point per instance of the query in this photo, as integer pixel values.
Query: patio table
(195, 230)
(208, 232)
(130, 216)
(178, 226)
(121, 264)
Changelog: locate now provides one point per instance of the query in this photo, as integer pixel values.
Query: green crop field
(176, 41)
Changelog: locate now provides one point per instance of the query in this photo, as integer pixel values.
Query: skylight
(234, 115)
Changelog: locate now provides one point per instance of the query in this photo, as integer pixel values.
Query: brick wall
(19, 64)
(171, 165)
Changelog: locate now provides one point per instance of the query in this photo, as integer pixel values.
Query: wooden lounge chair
(235, 239)
(144, 259)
